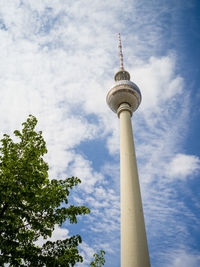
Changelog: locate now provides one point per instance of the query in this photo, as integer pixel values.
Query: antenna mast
(120, 53)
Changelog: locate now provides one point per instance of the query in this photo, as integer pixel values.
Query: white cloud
(182, 166)
(87, 253)
(157, 82)
(183, 258)
(58, 234)
(81, 167)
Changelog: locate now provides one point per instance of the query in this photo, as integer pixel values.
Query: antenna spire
(120, 53)
(121, 75)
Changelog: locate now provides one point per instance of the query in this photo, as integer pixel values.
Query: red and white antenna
(120, 53)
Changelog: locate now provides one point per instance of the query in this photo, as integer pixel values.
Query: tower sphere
(123, 91)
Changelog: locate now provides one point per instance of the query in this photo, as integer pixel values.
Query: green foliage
(98, 259)
(30, 204)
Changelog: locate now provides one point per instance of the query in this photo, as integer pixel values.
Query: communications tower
(124, 98)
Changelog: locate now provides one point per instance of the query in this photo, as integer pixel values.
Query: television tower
(124, 98)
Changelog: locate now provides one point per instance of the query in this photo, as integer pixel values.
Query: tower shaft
(134, 248)
(124, 98)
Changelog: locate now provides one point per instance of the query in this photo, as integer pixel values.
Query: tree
(98, 259)
(31, 204)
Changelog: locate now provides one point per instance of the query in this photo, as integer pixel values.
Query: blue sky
(58, 60)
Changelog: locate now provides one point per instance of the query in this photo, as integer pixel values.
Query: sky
(58, 60)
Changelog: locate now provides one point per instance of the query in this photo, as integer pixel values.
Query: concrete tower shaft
(124, 98)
